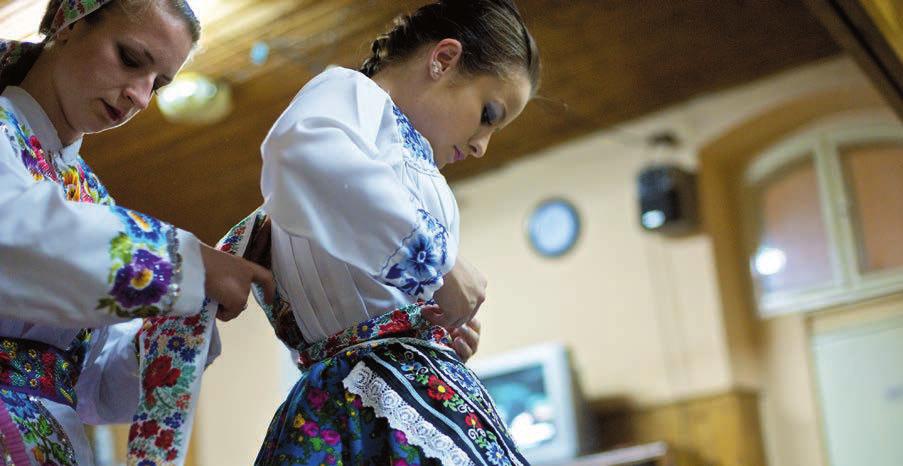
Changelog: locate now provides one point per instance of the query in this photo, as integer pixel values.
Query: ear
(62, 36)
(444, 57)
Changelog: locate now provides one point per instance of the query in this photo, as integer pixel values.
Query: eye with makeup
(129, 60)
(490, 115)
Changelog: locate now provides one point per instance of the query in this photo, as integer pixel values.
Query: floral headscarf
(67, 13)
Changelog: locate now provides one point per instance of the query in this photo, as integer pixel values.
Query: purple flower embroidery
(143, 281)
(317, 397)
(331, 437)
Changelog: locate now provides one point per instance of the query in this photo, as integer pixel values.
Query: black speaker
(667, 199)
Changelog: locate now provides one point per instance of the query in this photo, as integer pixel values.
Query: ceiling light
(195, 99)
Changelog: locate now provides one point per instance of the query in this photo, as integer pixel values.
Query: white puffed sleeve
(325, 179)
(71, 264)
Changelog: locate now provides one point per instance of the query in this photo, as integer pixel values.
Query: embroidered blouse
(71, 259)
(363, 222)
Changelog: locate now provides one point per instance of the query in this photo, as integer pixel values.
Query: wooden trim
(855, 30)
(722, 429)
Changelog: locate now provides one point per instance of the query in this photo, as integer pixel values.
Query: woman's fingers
(264, 278)
(466, 339)
(436, 316)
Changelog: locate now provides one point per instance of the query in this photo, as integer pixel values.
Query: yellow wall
(645, 316)
(643, 313)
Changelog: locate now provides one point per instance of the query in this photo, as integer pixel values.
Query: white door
(859, 375)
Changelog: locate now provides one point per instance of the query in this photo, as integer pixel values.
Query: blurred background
(723, 256)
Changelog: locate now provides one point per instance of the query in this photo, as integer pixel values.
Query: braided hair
(492, 33)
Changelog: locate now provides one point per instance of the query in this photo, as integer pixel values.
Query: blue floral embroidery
(141, 228)
(418, 265)
(496, 455)
(413, 140)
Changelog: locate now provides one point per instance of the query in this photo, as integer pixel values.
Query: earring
(435, 69)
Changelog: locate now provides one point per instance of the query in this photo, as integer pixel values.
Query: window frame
(823, 144)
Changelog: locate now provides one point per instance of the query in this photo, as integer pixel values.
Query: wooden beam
(855, 30)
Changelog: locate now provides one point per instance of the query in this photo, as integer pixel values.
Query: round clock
(553, 227)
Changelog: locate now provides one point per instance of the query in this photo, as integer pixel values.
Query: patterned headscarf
(67, 13)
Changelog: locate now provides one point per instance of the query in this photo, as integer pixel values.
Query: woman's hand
(466, 339)
(228, 281)
(460, 297)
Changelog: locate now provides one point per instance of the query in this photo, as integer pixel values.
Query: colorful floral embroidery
(384, 388)
(44, 437)
(144, 277)
(407, 321)
(418, 265)
(172, 349)
(230, 242)
(146, 269)
(43, 370)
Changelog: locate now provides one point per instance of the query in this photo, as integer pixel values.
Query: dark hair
(492, 33)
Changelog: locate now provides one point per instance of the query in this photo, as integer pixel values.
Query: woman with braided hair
(365, 242)
(86, 286)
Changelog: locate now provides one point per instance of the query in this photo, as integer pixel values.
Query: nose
(140, 91)
(479, 144)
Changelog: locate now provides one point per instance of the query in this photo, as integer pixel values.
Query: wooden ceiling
(605, 61)
(871, 31)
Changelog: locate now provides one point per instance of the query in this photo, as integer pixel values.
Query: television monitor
(536, 392)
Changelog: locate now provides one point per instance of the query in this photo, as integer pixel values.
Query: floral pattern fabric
(416, 145)
(145, 269)
(144, 278)
(418, 265)
(44, 437)
(173, 352)
(42, 370)
(388, 391)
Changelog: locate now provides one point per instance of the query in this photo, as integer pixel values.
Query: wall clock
(553, 227)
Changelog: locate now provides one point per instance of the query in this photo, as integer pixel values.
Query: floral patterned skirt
(388, 391)
(32, 375)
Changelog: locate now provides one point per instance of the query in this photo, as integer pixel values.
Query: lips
(458, 155)
(114, 114)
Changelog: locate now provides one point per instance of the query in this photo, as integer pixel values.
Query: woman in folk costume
(365, 241)
(76, 269)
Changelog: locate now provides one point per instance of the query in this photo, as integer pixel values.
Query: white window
(825, 218)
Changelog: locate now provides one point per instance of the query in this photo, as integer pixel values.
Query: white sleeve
(108, 386)
(325, 179)
(71, 264)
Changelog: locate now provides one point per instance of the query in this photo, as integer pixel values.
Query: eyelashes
(489, 115)
(129, 61)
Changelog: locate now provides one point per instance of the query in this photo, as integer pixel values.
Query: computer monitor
(538, 397)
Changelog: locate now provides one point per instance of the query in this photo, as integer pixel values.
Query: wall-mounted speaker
(667, 195)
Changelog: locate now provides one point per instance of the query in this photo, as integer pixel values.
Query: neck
(397, 81)
(39, 85)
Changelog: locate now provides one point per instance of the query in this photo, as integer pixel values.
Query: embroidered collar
(413, 140)
(39, 122)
